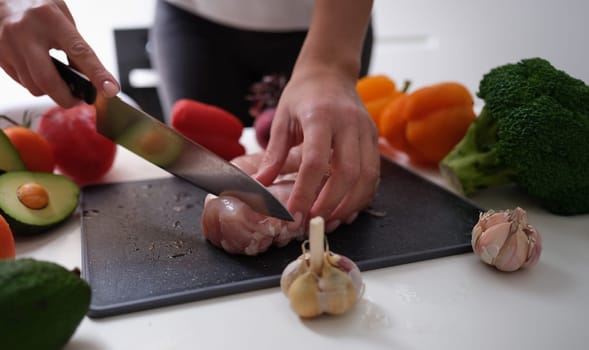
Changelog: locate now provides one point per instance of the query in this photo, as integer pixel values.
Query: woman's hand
(340, 160)
(320, 108)
(28, 30)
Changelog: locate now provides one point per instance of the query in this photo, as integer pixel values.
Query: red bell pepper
(210, 126)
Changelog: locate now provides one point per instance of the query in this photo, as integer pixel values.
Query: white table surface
(455, 302)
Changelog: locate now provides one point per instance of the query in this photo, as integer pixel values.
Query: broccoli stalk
(474, 164)
(532, 131)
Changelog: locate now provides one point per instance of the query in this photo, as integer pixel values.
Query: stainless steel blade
(156, 142)
(163, 146)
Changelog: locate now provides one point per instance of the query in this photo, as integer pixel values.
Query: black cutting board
(142, 245)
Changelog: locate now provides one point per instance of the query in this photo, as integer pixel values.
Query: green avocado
(9, 158)
(33, 202)
(152, 142)
(41, 304)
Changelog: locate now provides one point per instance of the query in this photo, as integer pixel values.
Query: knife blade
(161, 145)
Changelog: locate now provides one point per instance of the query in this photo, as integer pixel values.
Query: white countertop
(448, 303)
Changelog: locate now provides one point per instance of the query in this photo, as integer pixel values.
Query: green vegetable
(41, 304)
(33, 202)
(9, 157)
(532, 131)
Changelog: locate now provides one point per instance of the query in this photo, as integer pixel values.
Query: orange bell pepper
(429, 122)
(376, 91)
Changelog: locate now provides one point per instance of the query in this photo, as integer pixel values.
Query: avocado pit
(32, 195)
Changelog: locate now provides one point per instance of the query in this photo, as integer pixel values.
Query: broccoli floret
(533, 131)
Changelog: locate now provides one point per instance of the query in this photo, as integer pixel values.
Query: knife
(161, 145)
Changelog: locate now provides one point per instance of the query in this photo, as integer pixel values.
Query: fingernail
(332, 225)
(351, 218)
(109, 88)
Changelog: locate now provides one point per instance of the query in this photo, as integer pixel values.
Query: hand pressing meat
(232, 225)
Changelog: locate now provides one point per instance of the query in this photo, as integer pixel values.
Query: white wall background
(425, 41)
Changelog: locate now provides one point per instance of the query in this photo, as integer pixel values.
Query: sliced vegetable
(9, 158)
(34, 202)
(34, 149)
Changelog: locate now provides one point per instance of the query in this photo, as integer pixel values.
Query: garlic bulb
(505, 240)
(320, 281)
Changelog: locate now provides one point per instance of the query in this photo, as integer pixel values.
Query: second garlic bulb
(506, 240)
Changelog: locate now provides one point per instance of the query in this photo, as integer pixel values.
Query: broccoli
(533, 131)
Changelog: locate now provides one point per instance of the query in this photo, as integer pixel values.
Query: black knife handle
(80, 87)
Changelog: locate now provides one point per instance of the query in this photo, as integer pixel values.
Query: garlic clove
(493, 218)
(535, 247)
(489, 242)
(303, 296)
(514, 253)
(291, 272)
(346, 264)
(337, 294)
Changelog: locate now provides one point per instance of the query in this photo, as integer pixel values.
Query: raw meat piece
(230, 224)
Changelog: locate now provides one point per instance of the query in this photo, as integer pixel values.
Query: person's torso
(264, 15)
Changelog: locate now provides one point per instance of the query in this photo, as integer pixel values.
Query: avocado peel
(10, 159)
(34, 202)
(41, 304)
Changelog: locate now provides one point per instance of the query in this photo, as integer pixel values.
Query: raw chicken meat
(232, 225)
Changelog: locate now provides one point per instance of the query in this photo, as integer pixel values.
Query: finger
(83, 58)
(366, 186)
(293, 160)
(66, 11)
(6, 60)
(344, 172)
(276, 151)
(11, 72)
(314, 165)
(27, 81)
(14, 63)
(250, 163)
(25, 77)
(45, 77)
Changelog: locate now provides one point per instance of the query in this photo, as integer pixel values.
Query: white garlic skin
(506, 240)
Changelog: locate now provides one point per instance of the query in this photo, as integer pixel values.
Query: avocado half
(42, 304)
(152, 142)
(9, 158)
(61, 194)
